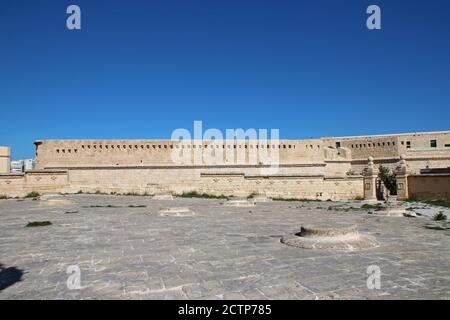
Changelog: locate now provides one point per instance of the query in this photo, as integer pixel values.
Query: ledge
(300, 165)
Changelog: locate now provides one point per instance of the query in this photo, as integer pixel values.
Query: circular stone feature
(162, 197)
(342, 238)
(392, 211)
(176, 212)
(239, 203)
(54, 200)
(261, 199)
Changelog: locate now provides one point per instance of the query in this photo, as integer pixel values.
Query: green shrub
(295, 199)
(39, 224)
(32, 194)
(3, 197)
(371, 206)
(195, 194)
(440, 216)
(252, 195)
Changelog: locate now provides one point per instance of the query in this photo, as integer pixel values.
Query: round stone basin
(392, 211)
(340, 238)
(261, 199)
(176, 212)
(162, 197)
(54, 200)
(346, 232)
(239, 203)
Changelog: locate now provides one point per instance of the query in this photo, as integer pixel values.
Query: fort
(330, 168)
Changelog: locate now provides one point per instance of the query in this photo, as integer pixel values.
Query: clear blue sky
(140, 69)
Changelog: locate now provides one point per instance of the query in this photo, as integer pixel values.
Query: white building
(20, 166)
(17, 166)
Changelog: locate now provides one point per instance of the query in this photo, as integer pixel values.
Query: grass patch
(368, 206)
(295, 199)
(99, 206)
(32, 194)
(112, 206)
(38, 224)
(195, 194)
(440, 217)
(438, 202)
(252, 195)
(358, 198)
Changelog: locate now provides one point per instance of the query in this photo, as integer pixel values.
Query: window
(408, 144)
(433, 143)
(447, 145)
(338, 144)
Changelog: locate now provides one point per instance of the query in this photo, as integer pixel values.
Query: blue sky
(140, 69)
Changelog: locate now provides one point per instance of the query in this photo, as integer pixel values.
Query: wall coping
(430, 175)
(298, 165)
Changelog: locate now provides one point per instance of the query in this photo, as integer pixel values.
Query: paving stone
(220, 253)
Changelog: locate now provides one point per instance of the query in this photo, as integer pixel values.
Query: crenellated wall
(93, 153)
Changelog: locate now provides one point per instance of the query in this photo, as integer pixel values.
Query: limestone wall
(306, 182)
(386, 149)
(327, 168)
(429, 186)
(289, 182)
(19, 185)
(93, 153)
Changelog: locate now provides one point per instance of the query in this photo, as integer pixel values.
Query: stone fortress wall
(327, 168)
(386, 150)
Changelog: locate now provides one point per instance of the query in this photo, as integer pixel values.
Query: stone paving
(220, 252)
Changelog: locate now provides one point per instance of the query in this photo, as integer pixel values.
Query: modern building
(29, 164)
(17, 166)
(20, 166)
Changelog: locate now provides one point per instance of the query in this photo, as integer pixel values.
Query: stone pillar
(370, 181)
(401, 173)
